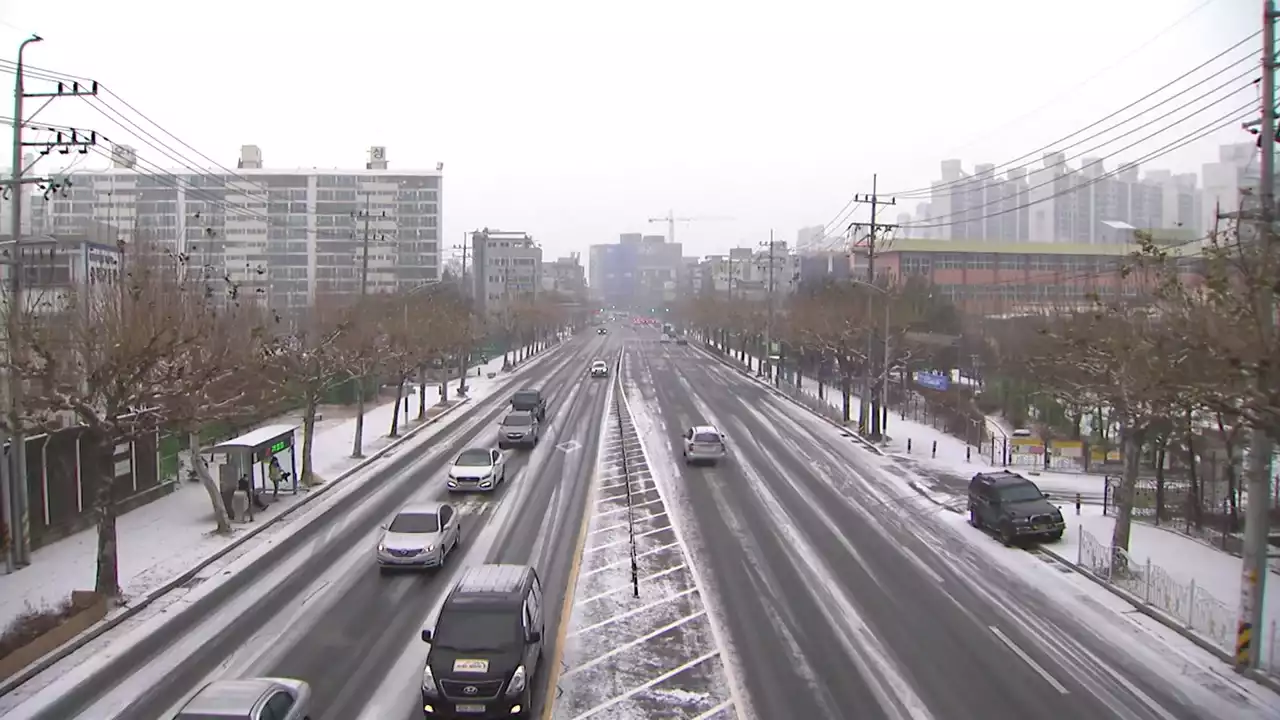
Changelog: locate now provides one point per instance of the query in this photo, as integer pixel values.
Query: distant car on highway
(664, 339)
(477, 469)
(421, 536)
(682, 340)
(602, 331)
(519, 428)
(703, 444)
(250, 699)
(599, 368)
(530, 400)
(1013, 507)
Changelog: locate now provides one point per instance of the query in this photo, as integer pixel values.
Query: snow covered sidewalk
(1187, 579)
(162, 539)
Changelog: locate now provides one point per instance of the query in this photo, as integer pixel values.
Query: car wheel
(1055, 537)
(1006, 535)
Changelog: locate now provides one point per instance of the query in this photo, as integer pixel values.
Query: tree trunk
(1195, 498)
(395, 415)
(422, 390)
(100, 467)
(1131, 445)
(310, 400)
(210, 485)
(357, 441)
(444, 386)
(1161, 446)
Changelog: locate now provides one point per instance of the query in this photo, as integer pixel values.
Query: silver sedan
(250, 699)
(421, 536)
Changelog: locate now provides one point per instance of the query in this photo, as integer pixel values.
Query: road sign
(933, 381)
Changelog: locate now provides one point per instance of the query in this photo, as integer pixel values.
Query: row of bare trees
(162, 347)
(1191, 356)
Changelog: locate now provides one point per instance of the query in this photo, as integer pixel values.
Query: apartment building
(506, 269)
(1054, 202)
(566, 276)
(287, 234)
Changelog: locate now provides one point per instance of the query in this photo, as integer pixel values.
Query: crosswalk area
(640, 642)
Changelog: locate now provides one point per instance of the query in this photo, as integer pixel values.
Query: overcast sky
(577, 121)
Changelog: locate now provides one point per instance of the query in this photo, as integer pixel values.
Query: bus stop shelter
(247, 458)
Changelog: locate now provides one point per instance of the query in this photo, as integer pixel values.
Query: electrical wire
(923, 192)
(1076, 188)
(1055, 146)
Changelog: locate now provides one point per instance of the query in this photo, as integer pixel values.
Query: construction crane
(671, 221)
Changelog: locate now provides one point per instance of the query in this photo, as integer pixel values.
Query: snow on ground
(639, 647)
(1181, 561)
(167, 537)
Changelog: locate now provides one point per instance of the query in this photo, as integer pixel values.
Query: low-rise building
(507, 267)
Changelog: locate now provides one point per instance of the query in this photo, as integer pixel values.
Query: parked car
(599, 368)
(477, 469)
(530, 400)
(519, 428)
(1013, 507)
(703, 444)
(250, 699)
(420, 536)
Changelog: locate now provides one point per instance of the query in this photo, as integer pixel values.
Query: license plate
(470, 666)
(471, 709)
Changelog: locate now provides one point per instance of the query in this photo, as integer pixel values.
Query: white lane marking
(634, 505)
(718, 632)
(626, 540)
(638, 641)
(633, 612)
(1029, 661)
(641, 688)
(714, 711)
(628, 586)
(626, 560)
(619, 526)
(623, 496)
(612, 485)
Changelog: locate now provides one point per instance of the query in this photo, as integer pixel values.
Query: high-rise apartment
(290, 234)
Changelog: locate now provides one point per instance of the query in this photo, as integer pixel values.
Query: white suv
(703, 443)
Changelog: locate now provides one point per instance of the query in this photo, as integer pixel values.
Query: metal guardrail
(1186, 603)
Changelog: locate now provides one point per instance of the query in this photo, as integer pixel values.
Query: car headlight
(1021, 521)
(382, 547)
(426, 549)
(428, 681)
(518, 681)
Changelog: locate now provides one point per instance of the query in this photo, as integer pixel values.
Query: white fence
(1187, 604)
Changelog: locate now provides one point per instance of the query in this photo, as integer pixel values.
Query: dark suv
(530, 401)
(1013, 507)
(486, 645)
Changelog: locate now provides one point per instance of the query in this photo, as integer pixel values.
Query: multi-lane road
(835, 591)
(332, 619)
(845, 597)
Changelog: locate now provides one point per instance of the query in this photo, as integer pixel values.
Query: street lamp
(884, 376)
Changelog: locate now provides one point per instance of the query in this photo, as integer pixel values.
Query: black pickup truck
(532, 401)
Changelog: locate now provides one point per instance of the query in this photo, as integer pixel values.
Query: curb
(1263, 679)
(719, 356)
(131, 610)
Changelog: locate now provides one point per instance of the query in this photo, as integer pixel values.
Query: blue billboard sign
(933, 381)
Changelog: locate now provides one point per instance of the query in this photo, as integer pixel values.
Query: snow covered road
(842, 589)
(326, 615)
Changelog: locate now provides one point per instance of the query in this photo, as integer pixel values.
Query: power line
(1234, 115)
(1101, 121)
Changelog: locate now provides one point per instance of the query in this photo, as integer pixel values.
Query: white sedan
(599, 368)
(477, 469)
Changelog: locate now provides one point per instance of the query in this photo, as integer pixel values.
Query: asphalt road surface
(353, 633)
(841, 598)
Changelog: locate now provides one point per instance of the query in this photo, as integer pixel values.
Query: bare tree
(362, 349)
(303, 360)
(124, 358)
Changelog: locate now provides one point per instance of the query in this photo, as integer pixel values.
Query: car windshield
(598, 364)
(206, 716)
(477, 631)
(474, 458)
(706, 437)
(521, 419)
(1020, 493)
(526, 397)
(417, 522)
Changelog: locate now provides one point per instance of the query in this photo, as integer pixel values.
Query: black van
(486, 646)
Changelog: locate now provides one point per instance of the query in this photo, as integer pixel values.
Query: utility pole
(464, 356)
(767, 361)
(15, 493)
(868, 408)
(357, 442)
(1253, 589)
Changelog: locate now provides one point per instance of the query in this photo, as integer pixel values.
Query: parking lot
(639, 644)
